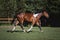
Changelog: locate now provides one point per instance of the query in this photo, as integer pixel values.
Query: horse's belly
(28, 19)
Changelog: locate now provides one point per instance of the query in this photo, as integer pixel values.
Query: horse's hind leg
(39, 25)
(15, 24)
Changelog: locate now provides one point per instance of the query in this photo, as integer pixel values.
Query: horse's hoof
(27, 31)
(41, 30)
(11, 31)
(24, 30)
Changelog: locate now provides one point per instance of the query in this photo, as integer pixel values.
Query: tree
(54, 7)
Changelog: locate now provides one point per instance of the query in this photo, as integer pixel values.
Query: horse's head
(46, 14)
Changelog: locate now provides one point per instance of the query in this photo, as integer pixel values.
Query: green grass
(50, 33)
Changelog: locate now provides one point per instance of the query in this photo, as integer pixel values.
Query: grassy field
(50, 33)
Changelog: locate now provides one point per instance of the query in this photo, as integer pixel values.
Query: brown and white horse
(30, 17)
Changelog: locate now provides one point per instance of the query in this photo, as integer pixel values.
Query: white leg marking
(30, 28)
(24, 31)
(41, 30)
(13, 28)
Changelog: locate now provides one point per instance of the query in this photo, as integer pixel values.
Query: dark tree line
(11, 7)
(54, 7)
(8, 8)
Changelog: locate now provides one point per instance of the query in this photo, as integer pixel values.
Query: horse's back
(29, 14)
(25, 16)
(21, 15)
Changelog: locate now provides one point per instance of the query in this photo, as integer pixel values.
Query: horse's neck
(39, 15)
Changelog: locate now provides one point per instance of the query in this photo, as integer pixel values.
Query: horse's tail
(13, 20)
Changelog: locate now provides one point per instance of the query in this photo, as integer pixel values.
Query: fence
(6, 20)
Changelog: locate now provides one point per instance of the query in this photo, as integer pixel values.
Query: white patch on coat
(35, 15)
(30, 28)
(13, 28)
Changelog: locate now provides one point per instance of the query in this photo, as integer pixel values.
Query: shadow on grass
(17, 31)
(14, 31)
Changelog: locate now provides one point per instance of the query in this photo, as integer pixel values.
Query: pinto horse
(30, 17)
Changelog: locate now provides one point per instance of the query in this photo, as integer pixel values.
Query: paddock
(50, 33)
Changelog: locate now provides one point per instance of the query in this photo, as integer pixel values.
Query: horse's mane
(28, 11)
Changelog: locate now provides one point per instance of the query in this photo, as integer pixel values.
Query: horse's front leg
(33, 22)
(39, 25)
(30, 28)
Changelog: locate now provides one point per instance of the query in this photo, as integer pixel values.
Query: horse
(29, 17)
